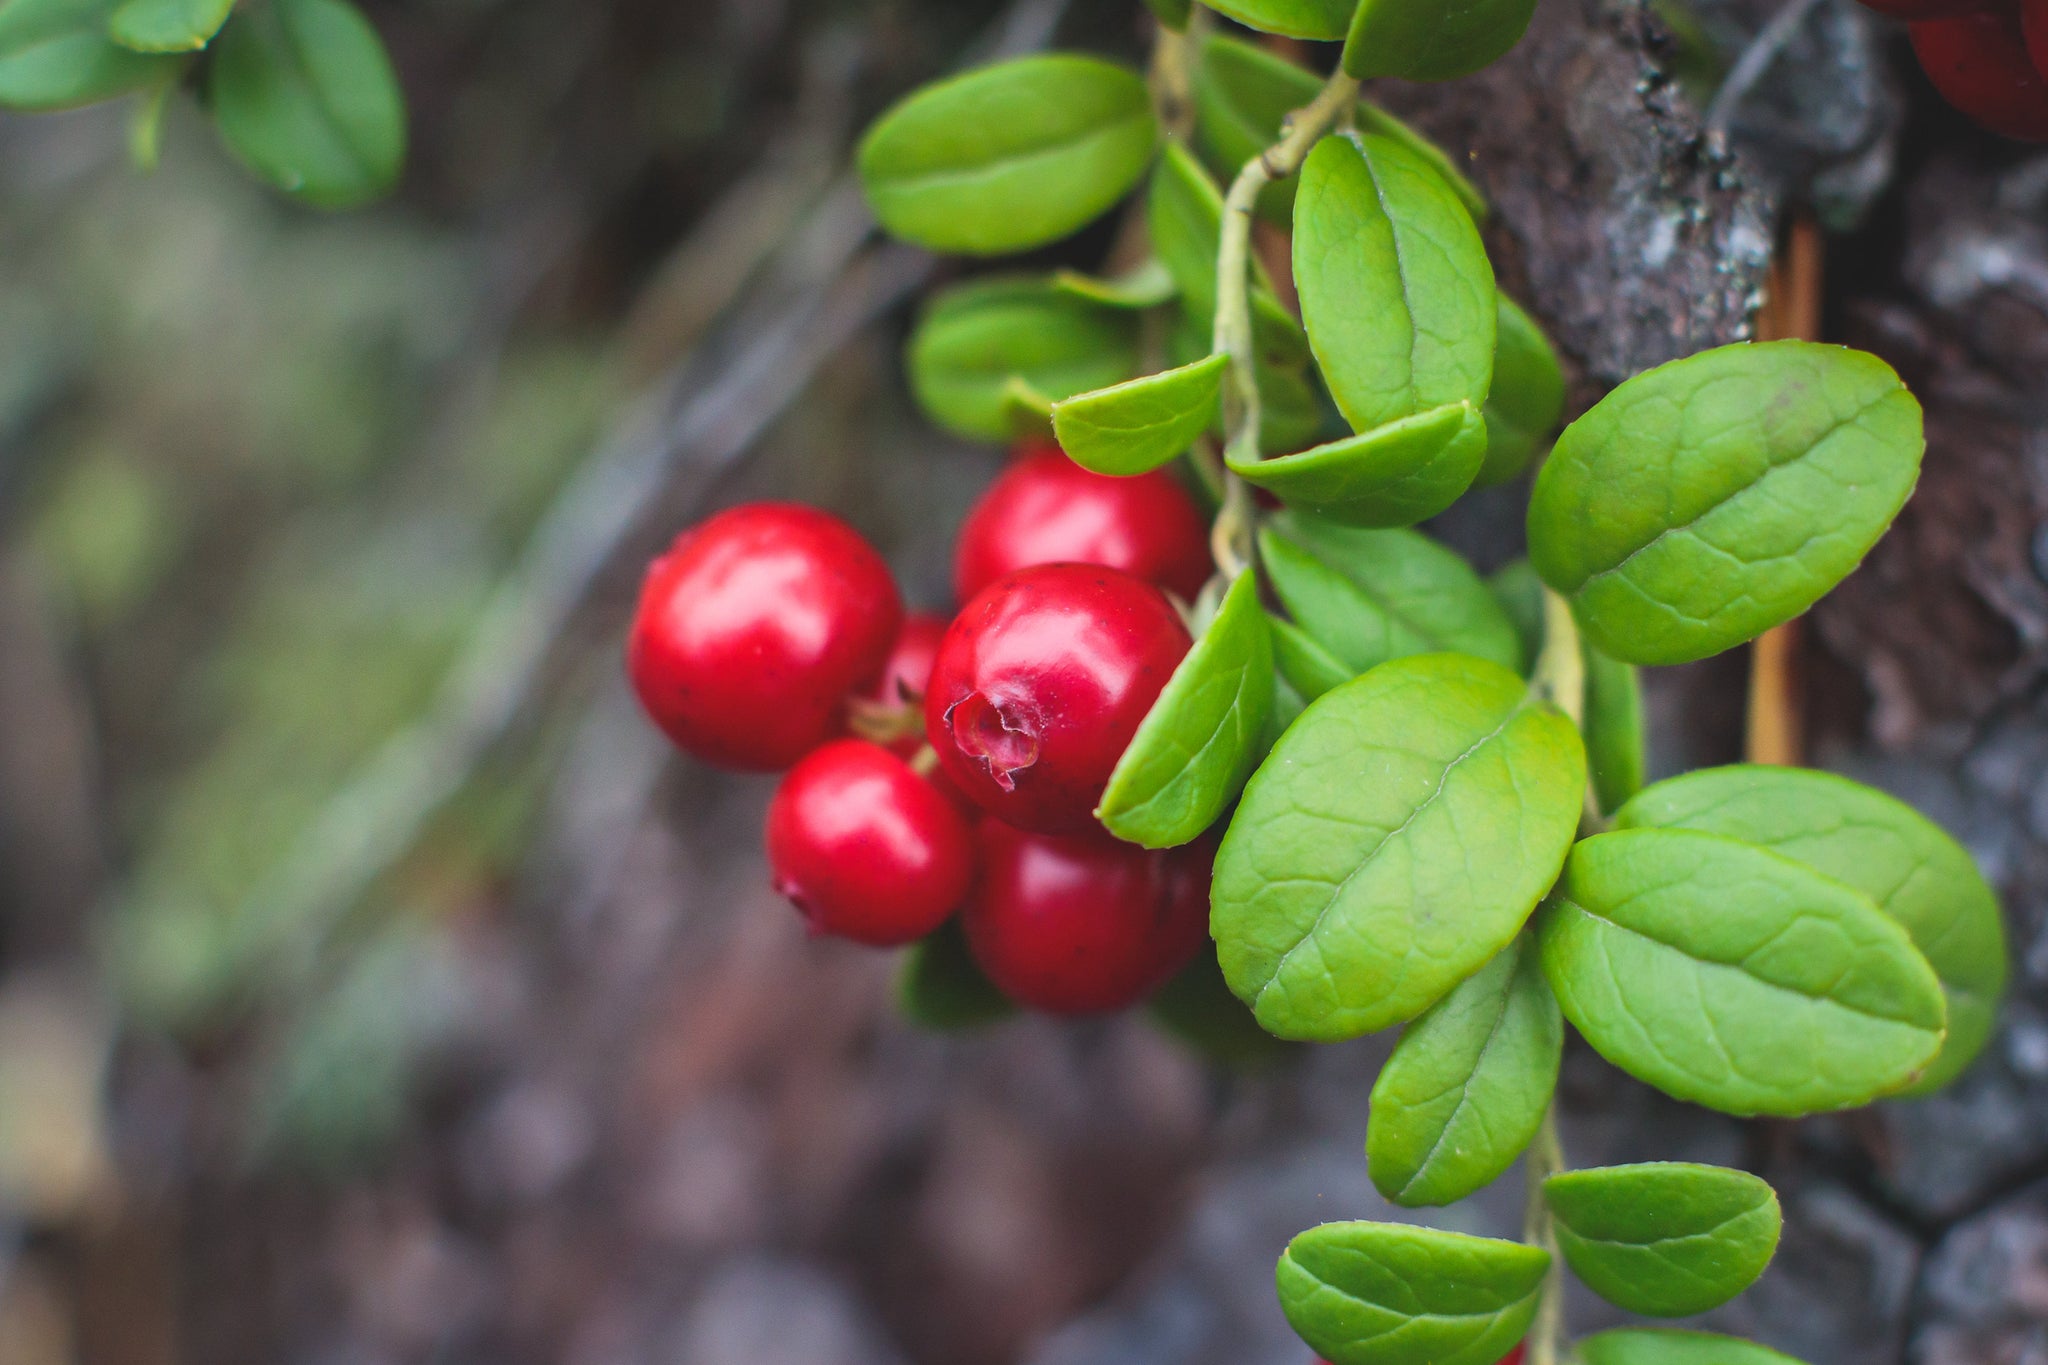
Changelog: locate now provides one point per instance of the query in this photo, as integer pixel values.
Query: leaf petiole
(1545, 1158)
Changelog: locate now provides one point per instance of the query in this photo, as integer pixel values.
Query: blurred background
(376, 987)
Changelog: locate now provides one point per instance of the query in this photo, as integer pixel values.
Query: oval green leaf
(1428, 40)
(941, 988)
(1305, 666)
(1468, 1084)
(1396, 839)
(1140, 424)
(1321, 19)
(1901, 860)
(167, 25)
(1390, 1294)
(1665, 1239)
(1197, 1008)
(1194, 750)
(305, 97)
(976, 338)
(1370, 596)
(1689, 960)
(1615, 740)
(1662, 1346)
(1396, 291)
(55, 54)
(1527, 399)
(1009, 157)
(1395, 475)
(1706, 501)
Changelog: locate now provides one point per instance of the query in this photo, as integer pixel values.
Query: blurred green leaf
(168, 25)
(55, 54)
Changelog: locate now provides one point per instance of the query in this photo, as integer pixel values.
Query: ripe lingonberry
(866, 848)
(2034, 21)
(1084, 925)
(753, 629)
(1040, 684)
(1979, 63)
(897, 698)
(1045, 509)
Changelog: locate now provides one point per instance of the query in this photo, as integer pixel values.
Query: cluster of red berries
(1989, 58)
(936, 767)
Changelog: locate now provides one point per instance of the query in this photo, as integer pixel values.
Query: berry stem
(1545, 1159)
(1172, 77)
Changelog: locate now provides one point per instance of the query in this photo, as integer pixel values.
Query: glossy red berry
(753, 629)
(866, 848)
(1041, 682)
(1084, 925)
(1045, 509)
(905, 674)
(1979, 63)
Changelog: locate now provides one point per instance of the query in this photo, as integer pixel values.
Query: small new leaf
(1009, 157)
(1148, 286)
(1468, 1084)
(1140, 424)
(1665, 1239)
(1662, 1346)
(1428, 40)
(976, 338)
(1389, 1294)
(1194, 750)
(55, 54)
(1395, 475)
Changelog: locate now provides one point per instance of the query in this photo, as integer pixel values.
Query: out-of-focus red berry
(2034, 20)
(1045, 509)
(1928, 9)
(1040, 684)
(905, 675)
(753, 629)
(1979, 63)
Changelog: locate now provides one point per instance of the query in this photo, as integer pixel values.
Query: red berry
(753, 628)
(1979, 63)
(2035, 22)
(1045, 509)
(905, 675)
(866, 848)
(1040, 684)
(1926, 9)
(1084, 925)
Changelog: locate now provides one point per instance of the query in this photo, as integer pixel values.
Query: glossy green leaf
(1293, 412)
(1666, 1239)
(1324, 19)
(1370, 596)
(1184, 213)
(1243, 95)
(1390, 1294)
(1197, 1008)
(1194, 750)
(1710, 499)
(55, 54)
(1395, 475)
(1520, 594)
(1527, 399)
(1305, 666)
(940, 987)
(1396, 839)
(1615, 741)
(976, 338)
(1693, 962)
(1884, 848)
(1148, 286)
(1396, 291)
(1010, 156)
(1429, 40)
(1468, 1084)
(305, 97)
(167, 25)
(1141, 424)
(1662, 1346)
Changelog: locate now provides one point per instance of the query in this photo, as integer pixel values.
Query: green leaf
(1172, 13)
(1389, 1294)
(1324, 19)
(1666, 1239)
(1693, 962)
(1468, 1084)
(1370, 596)
(1197, 745)
(55, 54)
(1140, 424)
(167, 25)
(1148, 286)
(1011, 156)
(1614, 727)
(1184, 213)
(1706, 501)
(305, 97)
(1902, 861)
(976, 337)
(1662, 1346)
(1306, 667)
(1197, 1008)
(1520, 594)
(1396, 839)
(1395, 475)
(1396, 291)
(1527, 400)
(939, 986)
(1428, 40)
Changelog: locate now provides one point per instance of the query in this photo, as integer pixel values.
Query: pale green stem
(1172, 78)
(1544, 1159)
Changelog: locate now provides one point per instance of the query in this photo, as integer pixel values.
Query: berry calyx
(1045, 509)
(1084, 925)
(866, 848)
(1979, 63)
(1040, 684)
(891, 713)
(754, 627)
